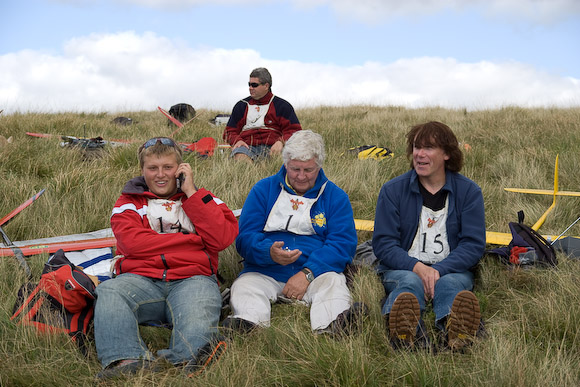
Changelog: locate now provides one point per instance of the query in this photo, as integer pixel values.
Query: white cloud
(376, 10)
(541, 11)
(126, 71)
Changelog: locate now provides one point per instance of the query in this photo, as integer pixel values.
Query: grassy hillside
(532, 316)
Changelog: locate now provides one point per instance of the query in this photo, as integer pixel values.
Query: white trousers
(252, 294)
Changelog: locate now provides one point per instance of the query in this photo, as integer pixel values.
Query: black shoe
(132, 368)
(404, 320)
(208, 354)
(347, 322)
(464, 321)
(239, 325)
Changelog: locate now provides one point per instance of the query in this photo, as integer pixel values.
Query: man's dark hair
(439, 135)
(263, 75)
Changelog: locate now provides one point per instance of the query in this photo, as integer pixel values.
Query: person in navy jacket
(261, 123)
(429, 234)
(297, 235)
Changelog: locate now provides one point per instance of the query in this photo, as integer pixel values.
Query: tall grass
(532, 316)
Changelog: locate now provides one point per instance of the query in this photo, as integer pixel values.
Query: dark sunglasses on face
(162, 140)
(254, 84)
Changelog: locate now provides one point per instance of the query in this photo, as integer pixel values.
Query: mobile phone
(180, 180)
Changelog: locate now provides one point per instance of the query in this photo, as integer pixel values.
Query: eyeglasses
(155, 140)
(254, 84)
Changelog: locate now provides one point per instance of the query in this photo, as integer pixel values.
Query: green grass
(532, 316)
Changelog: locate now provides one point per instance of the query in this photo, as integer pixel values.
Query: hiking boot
(208, 354)
(239, 325)
(347, 322)
(464, 320)
(127, 367)
(404, 320)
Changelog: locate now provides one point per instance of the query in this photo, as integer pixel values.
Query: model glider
(491, 237)
(67, 140)
(174, 120)
(51, 245)
(205, 146)
(555, 192)
(17, 210)
(14, 250)
(74, 242)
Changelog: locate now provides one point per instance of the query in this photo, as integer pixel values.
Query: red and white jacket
(175, 255)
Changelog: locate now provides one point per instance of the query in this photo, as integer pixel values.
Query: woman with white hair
(296, 236)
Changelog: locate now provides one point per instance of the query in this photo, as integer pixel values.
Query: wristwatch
(309, 274)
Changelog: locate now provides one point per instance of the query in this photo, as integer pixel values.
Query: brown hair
(159, 146)
(438, 135)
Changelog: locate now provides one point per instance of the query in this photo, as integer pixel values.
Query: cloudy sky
(126, 55)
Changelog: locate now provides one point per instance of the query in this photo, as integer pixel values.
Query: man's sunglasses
(254, 84)
(155, 140)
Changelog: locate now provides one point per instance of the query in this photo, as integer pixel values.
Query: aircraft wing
(364, 225)
(74, 242)
(542, 192)
(491, 237)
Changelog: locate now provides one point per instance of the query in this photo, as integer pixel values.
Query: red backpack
(62, 301)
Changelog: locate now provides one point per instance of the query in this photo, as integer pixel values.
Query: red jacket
(281, 119)
(174, 255)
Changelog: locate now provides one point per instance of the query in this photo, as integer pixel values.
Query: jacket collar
(137, 186)
(262, 101)
(414, 181)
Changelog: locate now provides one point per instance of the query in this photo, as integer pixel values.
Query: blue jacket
(329, 249)
(397, 217)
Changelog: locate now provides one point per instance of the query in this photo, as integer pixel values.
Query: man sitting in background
(260, 123)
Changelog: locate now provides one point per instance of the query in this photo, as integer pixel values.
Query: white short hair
(304, 145)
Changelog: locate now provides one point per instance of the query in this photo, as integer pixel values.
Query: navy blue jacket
(397, 218)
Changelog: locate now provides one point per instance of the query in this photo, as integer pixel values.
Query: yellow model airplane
(491, 237)
(555, 193)
(503, 238)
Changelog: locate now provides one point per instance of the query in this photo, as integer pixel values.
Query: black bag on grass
(62, 301)
(527, 247)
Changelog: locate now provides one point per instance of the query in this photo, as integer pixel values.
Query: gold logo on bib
(319, 220)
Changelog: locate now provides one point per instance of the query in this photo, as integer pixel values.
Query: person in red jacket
(169, 233)
(261, 123)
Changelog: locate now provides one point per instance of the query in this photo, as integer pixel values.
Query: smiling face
(302, 174)
(259, 91)
(159, 172)
(429, 161)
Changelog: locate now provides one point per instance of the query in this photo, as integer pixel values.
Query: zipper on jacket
(210, 265)
(163, 278)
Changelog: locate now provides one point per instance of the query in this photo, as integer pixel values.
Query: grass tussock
(532, 316)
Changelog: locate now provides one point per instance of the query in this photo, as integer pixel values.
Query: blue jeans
(446, 288)
(192, 305)
(253, 152)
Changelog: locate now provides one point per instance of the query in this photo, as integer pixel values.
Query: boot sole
(404, 318)
(463, 320)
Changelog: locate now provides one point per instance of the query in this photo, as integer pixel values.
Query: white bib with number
(430, 244)
(256, 115)
(167, 216)
(292, 213)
